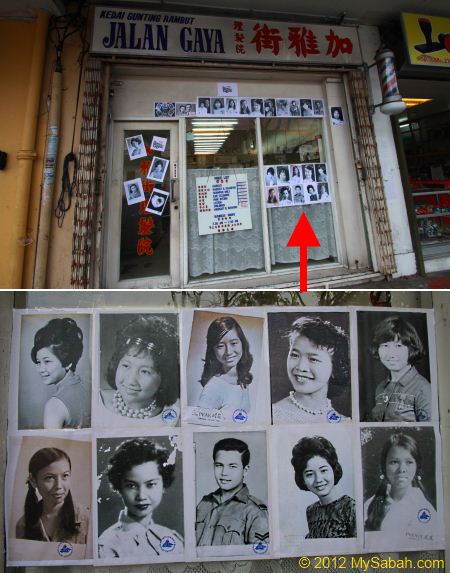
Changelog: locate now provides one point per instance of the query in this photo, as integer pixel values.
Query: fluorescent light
(214, 123)
(212, 129)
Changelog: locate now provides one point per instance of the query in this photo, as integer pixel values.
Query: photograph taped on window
(144, 236)
(223, 147)
(297, 141)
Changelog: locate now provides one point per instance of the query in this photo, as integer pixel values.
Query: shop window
(297, 176)
(223, 147)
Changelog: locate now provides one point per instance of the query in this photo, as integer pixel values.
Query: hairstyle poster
(402, 488)
(310, 377)
(54, 371)
(316, 488)
(140, 499)
(397, 381)
(48, 493)
(231, 494)
(139, 370)
(225, 368)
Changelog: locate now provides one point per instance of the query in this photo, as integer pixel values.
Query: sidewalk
(439, 280)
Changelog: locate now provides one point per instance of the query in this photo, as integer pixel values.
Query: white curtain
(225, 252)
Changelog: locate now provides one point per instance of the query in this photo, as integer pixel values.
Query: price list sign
(223, 204)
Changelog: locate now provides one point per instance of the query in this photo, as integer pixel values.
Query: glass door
(142, 238)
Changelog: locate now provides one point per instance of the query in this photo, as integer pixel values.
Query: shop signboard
(223, 204)
(135, 32)
(427, 40)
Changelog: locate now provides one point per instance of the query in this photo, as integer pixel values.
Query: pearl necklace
(121, 408)
(294, 400)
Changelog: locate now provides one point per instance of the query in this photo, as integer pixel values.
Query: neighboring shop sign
(223, 204)
(427, 39)
(161, 34)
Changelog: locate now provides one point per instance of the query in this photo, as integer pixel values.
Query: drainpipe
(48, 179)
(27, 154)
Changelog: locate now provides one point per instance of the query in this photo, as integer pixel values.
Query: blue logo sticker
(169, 415)
(65, 549)
(333, 417)
(167, 544)
(260, 547)
(424, 515)
(422, 416)
(240, 416)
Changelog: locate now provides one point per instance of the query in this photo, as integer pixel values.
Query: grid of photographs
(297, 184)
(242, 107)
(283, 432)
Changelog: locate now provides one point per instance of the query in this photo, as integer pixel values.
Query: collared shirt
(129, 538)
(82, 515)
(240, 520)
(405, 400)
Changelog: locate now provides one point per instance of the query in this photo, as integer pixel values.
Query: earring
(381, 477)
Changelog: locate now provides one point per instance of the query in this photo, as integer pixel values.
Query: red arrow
(303, 237)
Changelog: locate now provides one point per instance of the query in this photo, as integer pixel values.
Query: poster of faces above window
(226, 433)
(241, 107)
(296, 184)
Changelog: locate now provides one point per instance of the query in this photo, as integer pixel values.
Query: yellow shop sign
(427, 39)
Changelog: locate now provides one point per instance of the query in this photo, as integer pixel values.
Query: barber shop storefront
(217, 135)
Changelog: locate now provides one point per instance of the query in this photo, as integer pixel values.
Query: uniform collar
(405, 379)
(127, 523)
(241, 495)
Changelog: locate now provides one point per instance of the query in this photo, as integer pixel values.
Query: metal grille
(373, 180)
(86, 188)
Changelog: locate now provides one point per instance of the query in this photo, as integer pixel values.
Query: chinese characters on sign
(167, 35)
(223, 204)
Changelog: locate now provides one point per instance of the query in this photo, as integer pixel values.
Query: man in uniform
(231, 515)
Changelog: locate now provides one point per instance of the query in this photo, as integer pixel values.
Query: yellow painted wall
(60, 244)
(16, 45)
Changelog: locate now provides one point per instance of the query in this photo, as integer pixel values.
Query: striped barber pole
(388, 77)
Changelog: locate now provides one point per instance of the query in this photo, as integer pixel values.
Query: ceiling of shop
(363, 11)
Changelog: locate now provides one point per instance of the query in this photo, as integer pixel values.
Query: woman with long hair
(57, 348)
(53, 516)
(400, 495)
(226, 372)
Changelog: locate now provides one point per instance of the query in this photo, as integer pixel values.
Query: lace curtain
(282, 222)
(225, 252)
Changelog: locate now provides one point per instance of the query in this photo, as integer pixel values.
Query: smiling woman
(142, 373)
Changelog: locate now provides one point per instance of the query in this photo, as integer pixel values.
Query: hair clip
(140, 342)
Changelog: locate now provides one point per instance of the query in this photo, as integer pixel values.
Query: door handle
(172, 190)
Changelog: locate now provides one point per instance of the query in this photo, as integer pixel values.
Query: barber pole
(392, 100)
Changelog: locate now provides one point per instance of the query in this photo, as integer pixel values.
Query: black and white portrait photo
(321, 173)
(184, 109)
(231, 493)
(257, 107)
(282, 107)
(139, 372)
(337, 117)
(298, 195)
(217, 106)
(282, 174)
(158, 169)
(49, 500)
(294, 108)
(269, 107)
(306, 108)
(203, 106)
(136, 147)
(318, 108)
(224, 369)
(245, 108)
(140, 499)
(231, 106)
(285, 196)
(315, 489)
(157, 201)
(134, 191)
(323, 193)
(165, 109)
(401, 490)
(308, 173)
(55, 372)
(394, 367)
(309, 367)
